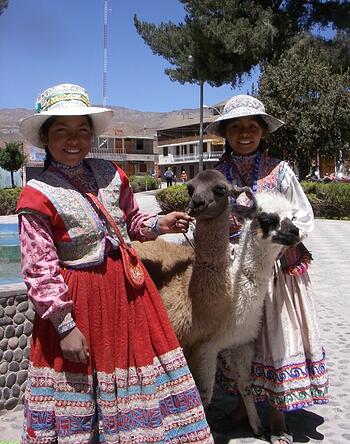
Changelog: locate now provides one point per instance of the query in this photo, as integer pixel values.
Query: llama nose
(294, 230)
(288, 225)
(197, 202)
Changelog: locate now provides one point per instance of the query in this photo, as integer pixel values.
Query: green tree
(3, 5)
(12, 158)
(305, 91)
(335, 51)
(221, 40)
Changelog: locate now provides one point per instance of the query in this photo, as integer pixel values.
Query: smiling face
(244, 134)
(68, 139)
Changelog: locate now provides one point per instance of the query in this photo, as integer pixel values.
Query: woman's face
(69, 139)
(244, 135)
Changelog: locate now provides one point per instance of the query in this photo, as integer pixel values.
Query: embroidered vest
(82, 244)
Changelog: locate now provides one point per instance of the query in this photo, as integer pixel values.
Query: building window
(205, 147)
(177, 150)
(139, 144)
(165, 151)
(191, 149)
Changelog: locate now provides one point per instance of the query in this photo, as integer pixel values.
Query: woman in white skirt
(289, 369)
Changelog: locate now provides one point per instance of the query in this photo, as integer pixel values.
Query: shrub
(329, 200)
(8, 200)
(173, 198)
(143, 183)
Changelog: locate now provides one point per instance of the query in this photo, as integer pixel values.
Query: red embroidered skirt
(136, 387)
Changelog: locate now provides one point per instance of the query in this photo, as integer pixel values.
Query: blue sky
(46, 42)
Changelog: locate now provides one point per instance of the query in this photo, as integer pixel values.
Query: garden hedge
(174, 198)
(9, 196)
(8, 200)
(143, 183)
(329, 201)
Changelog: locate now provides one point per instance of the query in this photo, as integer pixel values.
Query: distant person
(289, 368)
(169, 175)
(159, 181)
(314, 175)
(105, 365)
(183, 176)
(341, 170)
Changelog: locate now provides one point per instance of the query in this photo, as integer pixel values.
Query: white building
(178, 146)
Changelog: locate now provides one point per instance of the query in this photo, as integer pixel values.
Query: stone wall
(16, 322)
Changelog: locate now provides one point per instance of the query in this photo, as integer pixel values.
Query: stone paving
(330, 423)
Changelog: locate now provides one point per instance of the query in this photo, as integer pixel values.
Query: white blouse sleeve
(303, 216)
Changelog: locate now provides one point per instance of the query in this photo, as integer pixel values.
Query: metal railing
(210, 155)
(123, 157)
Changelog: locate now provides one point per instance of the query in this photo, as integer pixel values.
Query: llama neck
(211, 266)
(212, 239)
(253, 269)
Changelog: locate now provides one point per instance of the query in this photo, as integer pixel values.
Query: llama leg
(238, 362)
(243, 356)
(202, 363)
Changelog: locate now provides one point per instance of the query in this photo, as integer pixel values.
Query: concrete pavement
(330, 424)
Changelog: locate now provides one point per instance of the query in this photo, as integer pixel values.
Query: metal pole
(105, 48)
(200, 145)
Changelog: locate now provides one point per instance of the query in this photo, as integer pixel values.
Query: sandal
(281, 436)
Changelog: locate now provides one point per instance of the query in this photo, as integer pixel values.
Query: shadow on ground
(303, 424)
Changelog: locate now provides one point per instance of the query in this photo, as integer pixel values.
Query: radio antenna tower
(105, 47)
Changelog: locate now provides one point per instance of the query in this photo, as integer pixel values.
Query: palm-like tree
(12, 158)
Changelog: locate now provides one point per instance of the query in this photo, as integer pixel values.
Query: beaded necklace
(229, 177)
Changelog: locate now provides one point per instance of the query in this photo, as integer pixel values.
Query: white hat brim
(272, 122)
(30, 126)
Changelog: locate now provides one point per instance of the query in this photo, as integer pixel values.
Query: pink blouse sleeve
(41, 273)
(141, 226)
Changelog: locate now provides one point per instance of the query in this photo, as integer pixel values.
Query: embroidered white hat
(243, 106)
(63, 100)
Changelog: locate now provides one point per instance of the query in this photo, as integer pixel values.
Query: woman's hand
(175, 222)
(74, 346)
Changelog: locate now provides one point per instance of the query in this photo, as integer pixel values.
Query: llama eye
(190, 190)
(220, 190)
(268, 222)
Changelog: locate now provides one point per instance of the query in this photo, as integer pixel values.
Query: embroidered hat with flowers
(63, 100)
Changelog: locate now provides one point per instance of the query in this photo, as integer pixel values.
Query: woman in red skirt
(105, 363)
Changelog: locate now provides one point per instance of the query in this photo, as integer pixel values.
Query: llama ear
(244, 211)
(236, 191)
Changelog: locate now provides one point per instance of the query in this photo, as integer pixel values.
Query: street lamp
(200, 145)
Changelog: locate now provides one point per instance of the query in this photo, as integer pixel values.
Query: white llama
(215, 297)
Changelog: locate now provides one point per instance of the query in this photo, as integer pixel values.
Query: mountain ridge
(126, 121)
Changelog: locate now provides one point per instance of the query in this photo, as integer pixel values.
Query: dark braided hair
(48, 158)
(44, 132)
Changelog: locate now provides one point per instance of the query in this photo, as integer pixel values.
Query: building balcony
(123, 157)
(171, 159)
